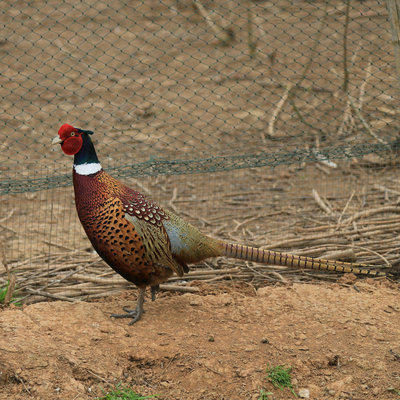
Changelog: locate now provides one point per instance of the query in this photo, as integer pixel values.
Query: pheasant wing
(147, 219)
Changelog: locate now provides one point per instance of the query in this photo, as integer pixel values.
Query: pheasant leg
(154, 290)
(137, 312)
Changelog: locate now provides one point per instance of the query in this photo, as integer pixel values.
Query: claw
(128, 310)
(129, 314)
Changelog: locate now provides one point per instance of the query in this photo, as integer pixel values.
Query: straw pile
(366, 236)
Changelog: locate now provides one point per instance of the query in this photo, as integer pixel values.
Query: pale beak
(56, 140)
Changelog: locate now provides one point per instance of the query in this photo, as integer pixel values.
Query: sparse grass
(394, 390)
(3, 295)
(280, 377)
(122, 392)
(264, 395)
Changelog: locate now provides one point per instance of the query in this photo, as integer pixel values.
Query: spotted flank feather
(139, 207)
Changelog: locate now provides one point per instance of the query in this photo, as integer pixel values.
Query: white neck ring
(87, 168)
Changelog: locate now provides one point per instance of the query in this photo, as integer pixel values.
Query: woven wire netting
(188, 87)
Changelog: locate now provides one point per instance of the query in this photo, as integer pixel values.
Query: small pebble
(304, 393)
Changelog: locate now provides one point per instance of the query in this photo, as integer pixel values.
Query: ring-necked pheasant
(144, 243)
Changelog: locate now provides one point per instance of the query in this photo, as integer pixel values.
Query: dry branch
(370, 212)
(320, 202)
(176, 288)
(51, 296)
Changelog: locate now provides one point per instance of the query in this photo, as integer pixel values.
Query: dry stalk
(351, 105)
(173, 198)
(394, 17)
(364, 84)
(224, 35)
(327, 253)
(363, 121)
(348, 120)
(346, 28)
(8, 216)
(384, 259)
(240, 224)
(277, 111)
(313, 52)
(373, 211)
(264, 275)
(251, 42)
(305, 240)
(50, 296)
(6, 228)
(320, 202)
(323, 169)
(381, 221)
(116, 280)
(385, 189)
(344, 209)
(177, 288)
(172, 205)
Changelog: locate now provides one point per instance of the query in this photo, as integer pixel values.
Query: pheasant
(146, 244)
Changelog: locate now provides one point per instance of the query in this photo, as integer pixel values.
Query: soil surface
(341, 340)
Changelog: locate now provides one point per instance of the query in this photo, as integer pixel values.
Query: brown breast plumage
(102, 207)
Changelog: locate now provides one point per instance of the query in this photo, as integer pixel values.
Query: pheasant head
(76, 142)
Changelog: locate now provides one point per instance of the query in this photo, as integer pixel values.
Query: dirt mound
(342, 341)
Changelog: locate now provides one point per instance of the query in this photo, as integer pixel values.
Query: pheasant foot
(136, 313)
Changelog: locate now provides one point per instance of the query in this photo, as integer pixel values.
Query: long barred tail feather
(293, 261)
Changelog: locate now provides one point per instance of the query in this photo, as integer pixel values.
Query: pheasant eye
(73, 134)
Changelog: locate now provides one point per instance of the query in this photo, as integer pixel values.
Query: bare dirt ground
(342, 341)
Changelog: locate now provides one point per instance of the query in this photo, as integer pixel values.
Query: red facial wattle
(72, 145)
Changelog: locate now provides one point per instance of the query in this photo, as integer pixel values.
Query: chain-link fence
(179, 87)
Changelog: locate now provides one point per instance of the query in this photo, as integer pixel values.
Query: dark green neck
(87, 154)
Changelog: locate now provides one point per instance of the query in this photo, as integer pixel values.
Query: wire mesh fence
(185, 87)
